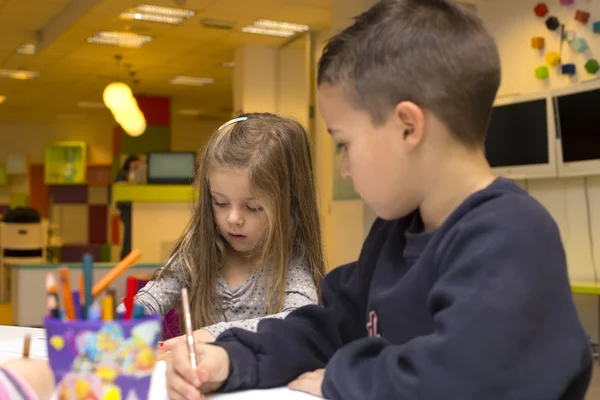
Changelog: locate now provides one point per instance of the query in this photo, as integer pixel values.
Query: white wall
(513, 24)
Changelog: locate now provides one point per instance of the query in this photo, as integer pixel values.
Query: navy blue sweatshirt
(479, 309)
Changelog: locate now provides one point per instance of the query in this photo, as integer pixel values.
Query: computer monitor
(578, 125)
(171, 167)
(521, 137)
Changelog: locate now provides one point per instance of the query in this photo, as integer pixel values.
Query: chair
(20, 243)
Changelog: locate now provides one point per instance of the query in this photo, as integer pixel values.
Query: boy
(461, 290)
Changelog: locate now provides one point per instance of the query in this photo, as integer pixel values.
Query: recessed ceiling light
(274, 28)
(269, 32)
(18, 74)
(168, 11)
(2, 99)
(90, 104)
(190, 112)
(27, 49)
(165, 15)
(283, 26)
(121, 39)
(190, 81)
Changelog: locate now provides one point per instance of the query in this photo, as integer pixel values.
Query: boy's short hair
(433, 53)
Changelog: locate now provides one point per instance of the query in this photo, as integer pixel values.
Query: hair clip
(233, 121)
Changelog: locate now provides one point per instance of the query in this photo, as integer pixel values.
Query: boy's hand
(185, 383)
(309, 382)
(168, 345)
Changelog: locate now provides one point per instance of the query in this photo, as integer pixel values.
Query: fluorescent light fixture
(18, 74)
(165, 19)
(268, 32)
(274, 28)
(190, 112)
(2, 99)
(168, 11)
(121, 39)
(190, 81)
(91, 104)
(27, 49)
(282, 26)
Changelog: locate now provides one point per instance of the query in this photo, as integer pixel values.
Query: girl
(253, 247)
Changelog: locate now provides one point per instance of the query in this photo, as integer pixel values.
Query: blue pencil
(88, 282)
(77, 305)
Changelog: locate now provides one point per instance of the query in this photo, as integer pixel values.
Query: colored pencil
(114, 273)
(188, 327)
(88, 282)
(65, 287)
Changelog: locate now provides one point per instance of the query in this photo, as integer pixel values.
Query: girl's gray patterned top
(243, 306)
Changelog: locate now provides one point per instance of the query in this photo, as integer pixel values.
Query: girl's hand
(183, 383)
(168, 345)
(309, 382)
(35, 372)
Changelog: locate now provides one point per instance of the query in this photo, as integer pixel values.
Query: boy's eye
(339, 147)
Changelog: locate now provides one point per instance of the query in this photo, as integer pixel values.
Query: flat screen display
(518, 135)
(175, 167)
(578, 120)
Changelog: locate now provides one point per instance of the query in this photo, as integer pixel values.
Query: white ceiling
(72, 70)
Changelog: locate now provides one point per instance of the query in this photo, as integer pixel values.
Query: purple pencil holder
(103, 359)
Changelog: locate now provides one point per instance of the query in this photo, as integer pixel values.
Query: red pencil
(131, 290)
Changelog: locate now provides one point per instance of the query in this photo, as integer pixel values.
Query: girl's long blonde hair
(276, 152)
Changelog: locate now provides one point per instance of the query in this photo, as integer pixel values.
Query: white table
(11, 346)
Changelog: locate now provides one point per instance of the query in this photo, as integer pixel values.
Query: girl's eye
(216, 203)
(339, 147)
(254, 208)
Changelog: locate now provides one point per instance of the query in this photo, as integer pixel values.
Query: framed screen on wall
(520, 141)
(172, 167)
(578, 124)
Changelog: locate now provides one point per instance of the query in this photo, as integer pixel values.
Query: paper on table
(15, 346)
(158, 390)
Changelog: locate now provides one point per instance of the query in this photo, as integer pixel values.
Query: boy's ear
(412, 120)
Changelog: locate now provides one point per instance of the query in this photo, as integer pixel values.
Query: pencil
(26, 346)
(65, 286)
(114, 273)
(88, 282)
(188, 327)
(108, 308)
(81, 290)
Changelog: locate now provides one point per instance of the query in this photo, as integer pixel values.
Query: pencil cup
(108, 360)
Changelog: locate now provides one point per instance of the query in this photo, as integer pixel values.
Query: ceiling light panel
(27, 49)
(269, 32)
(121, 39)
(18, 74)
(190, 81)
(165, 19)
(283, 26)
(171, 12)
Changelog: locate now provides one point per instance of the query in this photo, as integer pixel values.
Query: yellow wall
(31, 138)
